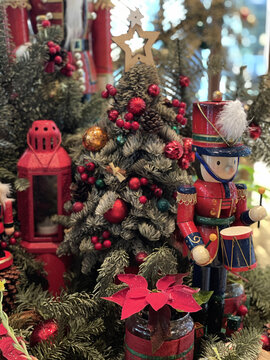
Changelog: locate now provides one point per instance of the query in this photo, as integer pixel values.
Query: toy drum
(237, 248)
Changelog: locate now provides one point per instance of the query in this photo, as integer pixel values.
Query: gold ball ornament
(217, 95)
(95, 138)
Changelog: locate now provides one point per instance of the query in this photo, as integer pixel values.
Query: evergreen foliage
(145, 226)
(28, 93)
(244, 345)
(259, 114)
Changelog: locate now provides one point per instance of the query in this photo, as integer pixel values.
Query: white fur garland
(232, 120)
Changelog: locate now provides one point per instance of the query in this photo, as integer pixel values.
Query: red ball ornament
(187, 145)
(181, 111)
(52, 50)
(94, 239)
(109, 86)
(3, 244)
(153, 90)
(254, 131)
(80, 169)
(140, 257)
(107, 244)
(153, 187)
(242, 310)
(105, 94)
(12, 241)
(143, 199)
(173, 150)
(98, 246)
(183, 105)
(265, 341)
(179, 118)
(50, 43)
(69, 73)
(112, 91)
(44, 331)
(183, 122)
(129, 116)
(158, 192)
(90, 166)
(136, 106)
(113, 114)
(184, 163)
(91, 180)
(117, 213)
(58, 59)
(70, 67)
(127, 125)
(106, 234)
(176, 103)
(84, 176)
(77, 206)
(46, 23)
(57, 48)
(120, 123)
(135, 125)
(143, 181)
(134, 183)
(184, 81)
(17, 234)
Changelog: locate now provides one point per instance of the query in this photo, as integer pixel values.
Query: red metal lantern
(47, 167)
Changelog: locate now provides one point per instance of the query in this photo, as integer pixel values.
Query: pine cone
(151, 121)
(81, 192)
(11, 275)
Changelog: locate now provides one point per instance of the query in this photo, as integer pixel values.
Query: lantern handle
(54, 151)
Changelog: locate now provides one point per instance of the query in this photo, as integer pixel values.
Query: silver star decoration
(135, 17)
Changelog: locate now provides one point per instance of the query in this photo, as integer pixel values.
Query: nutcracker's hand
(200, 255)
(9, 231)
(257, 213)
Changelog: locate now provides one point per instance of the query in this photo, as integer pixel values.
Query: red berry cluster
(57, 56)
(189, 155)
(103, 242)
(184, 81)
(110, 91)
(86, 173)
(135, 183)
(127, 125)
(181, 112)
(12, 240)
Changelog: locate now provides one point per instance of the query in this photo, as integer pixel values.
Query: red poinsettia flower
(170, 291)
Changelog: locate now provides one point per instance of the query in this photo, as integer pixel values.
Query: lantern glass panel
(45, 204)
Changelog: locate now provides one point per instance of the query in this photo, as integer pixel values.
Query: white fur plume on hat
(232, 120)
(5, 190)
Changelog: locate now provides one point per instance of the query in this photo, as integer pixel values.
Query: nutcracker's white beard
(74, 24)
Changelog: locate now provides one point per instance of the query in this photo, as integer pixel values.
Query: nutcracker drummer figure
(6, 224)
(215, 203)
(86, 33)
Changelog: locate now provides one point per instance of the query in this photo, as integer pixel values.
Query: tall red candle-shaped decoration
(47, 167)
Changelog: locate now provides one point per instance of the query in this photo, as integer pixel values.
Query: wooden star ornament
(130, 59)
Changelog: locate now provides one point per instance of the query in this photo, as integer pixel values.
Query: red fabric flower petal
(119, 297)
(3, 330)
(133, 280)
(182, 300)
(132, 306)
(169, 280)
(157, 300)
(136, 293)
